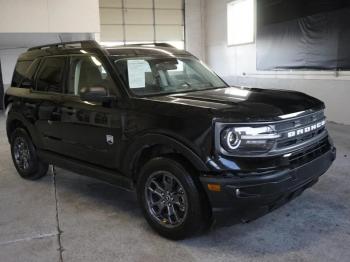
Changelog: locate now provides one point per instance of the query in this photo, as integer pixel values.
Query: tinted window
(28, 78)
(18, 74)
(87, 72)
(50, 75)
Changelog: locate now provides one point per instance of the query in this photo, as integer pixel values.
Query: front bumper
(249, 197)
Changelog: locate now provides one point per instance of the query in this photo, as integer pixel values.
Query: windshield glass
(152, 76)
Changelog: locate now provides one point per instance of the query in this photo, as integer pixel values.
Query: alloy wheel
(166, 199)
(21, 153)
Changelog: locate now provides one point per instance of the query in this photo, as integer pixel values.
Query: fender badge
(110, 139)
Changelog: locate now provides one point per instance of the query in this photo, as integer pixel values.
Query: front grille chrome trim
(295, 147)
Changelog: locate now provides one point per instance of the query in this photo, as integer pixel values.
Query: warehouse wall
(237, 65)
(195, 27)
(28, 23)
(45, 16)
(8, 58)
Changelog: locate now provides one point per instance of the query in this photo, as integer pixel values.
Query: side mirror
(95, 94)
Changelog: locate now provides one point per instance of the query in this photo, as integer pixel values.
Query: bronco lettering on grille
(306, 130)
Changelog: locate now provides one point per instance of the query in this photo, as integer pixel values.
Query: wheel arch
(153, 145)
(8, 100)
(14, 121)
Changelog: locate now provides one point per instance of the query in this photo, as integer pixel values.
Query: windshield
(152, 76)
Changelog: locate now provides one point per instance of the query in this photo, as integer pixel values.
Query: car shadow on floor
(299, 225)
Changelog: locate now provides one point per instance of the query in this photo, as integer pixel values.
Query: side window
(28, 78)
(18, 74)
(50, 75)
(87, 72)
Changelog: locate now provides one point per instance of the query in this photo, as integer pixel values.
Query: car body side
(138, 125)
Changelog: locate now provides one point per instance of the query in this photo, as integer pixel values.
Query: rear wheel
(171, 199)
(25, 157)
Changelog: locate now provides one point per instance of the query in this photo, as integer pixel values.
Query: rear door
(47, 97)
(91, 131)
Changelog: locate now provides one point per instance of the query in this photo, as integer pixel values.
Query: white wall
(8, 58)
(45, 16)
(237, 65)
(195, 27)
(26, 23)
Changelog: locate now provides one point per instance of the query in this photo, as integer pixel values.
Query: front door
(90, 131)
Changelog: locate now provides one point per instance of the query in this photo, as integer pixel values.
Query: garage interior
(67, 217)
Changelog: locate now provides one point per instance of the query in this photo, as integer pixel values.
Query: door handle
(56, 114)
(69, 110)
(29, 105)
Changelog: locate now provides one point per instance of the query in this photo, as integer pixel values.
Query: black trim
(108, 175)
(83, 44)
(246, 198)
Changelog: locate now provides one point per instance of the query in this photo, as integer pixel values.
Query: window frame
(63, 80)
(254, 24)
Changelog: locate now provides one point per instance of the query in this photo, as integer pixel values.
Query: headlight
(248, 140)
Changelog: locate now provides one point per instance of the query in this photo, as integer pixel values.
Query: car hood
(245, 104)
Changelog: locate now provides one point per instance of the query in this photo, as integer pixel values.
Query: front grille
(310, 153)
(299, 130)
(285, 142)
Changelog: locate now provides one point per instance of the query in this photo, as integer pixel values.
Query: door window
(50, 75)
(87, 72)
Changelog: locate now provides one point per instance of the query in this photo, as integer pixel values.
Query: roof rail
(73, 44)
(152, 44)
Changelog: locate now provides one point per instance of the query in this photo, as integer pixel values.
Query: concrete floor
(98, 222)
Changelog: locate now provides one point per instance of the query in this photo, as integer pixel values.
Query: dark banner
(303, 34)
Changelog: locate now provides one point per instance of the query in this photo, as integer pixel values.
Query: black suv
(155, 119)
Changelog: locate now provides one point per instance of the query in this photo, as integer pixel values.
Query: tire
(186, 204)
(24, 156)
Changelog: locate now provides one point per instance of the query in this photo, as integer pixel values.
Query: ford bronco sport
(156, 120)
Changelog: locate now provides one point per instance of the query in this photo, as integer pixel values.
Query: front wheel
(24, 156)
(171, 199)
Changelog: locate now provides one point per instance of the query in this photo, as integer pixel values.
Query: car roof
(131, 51)
(89, 46)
